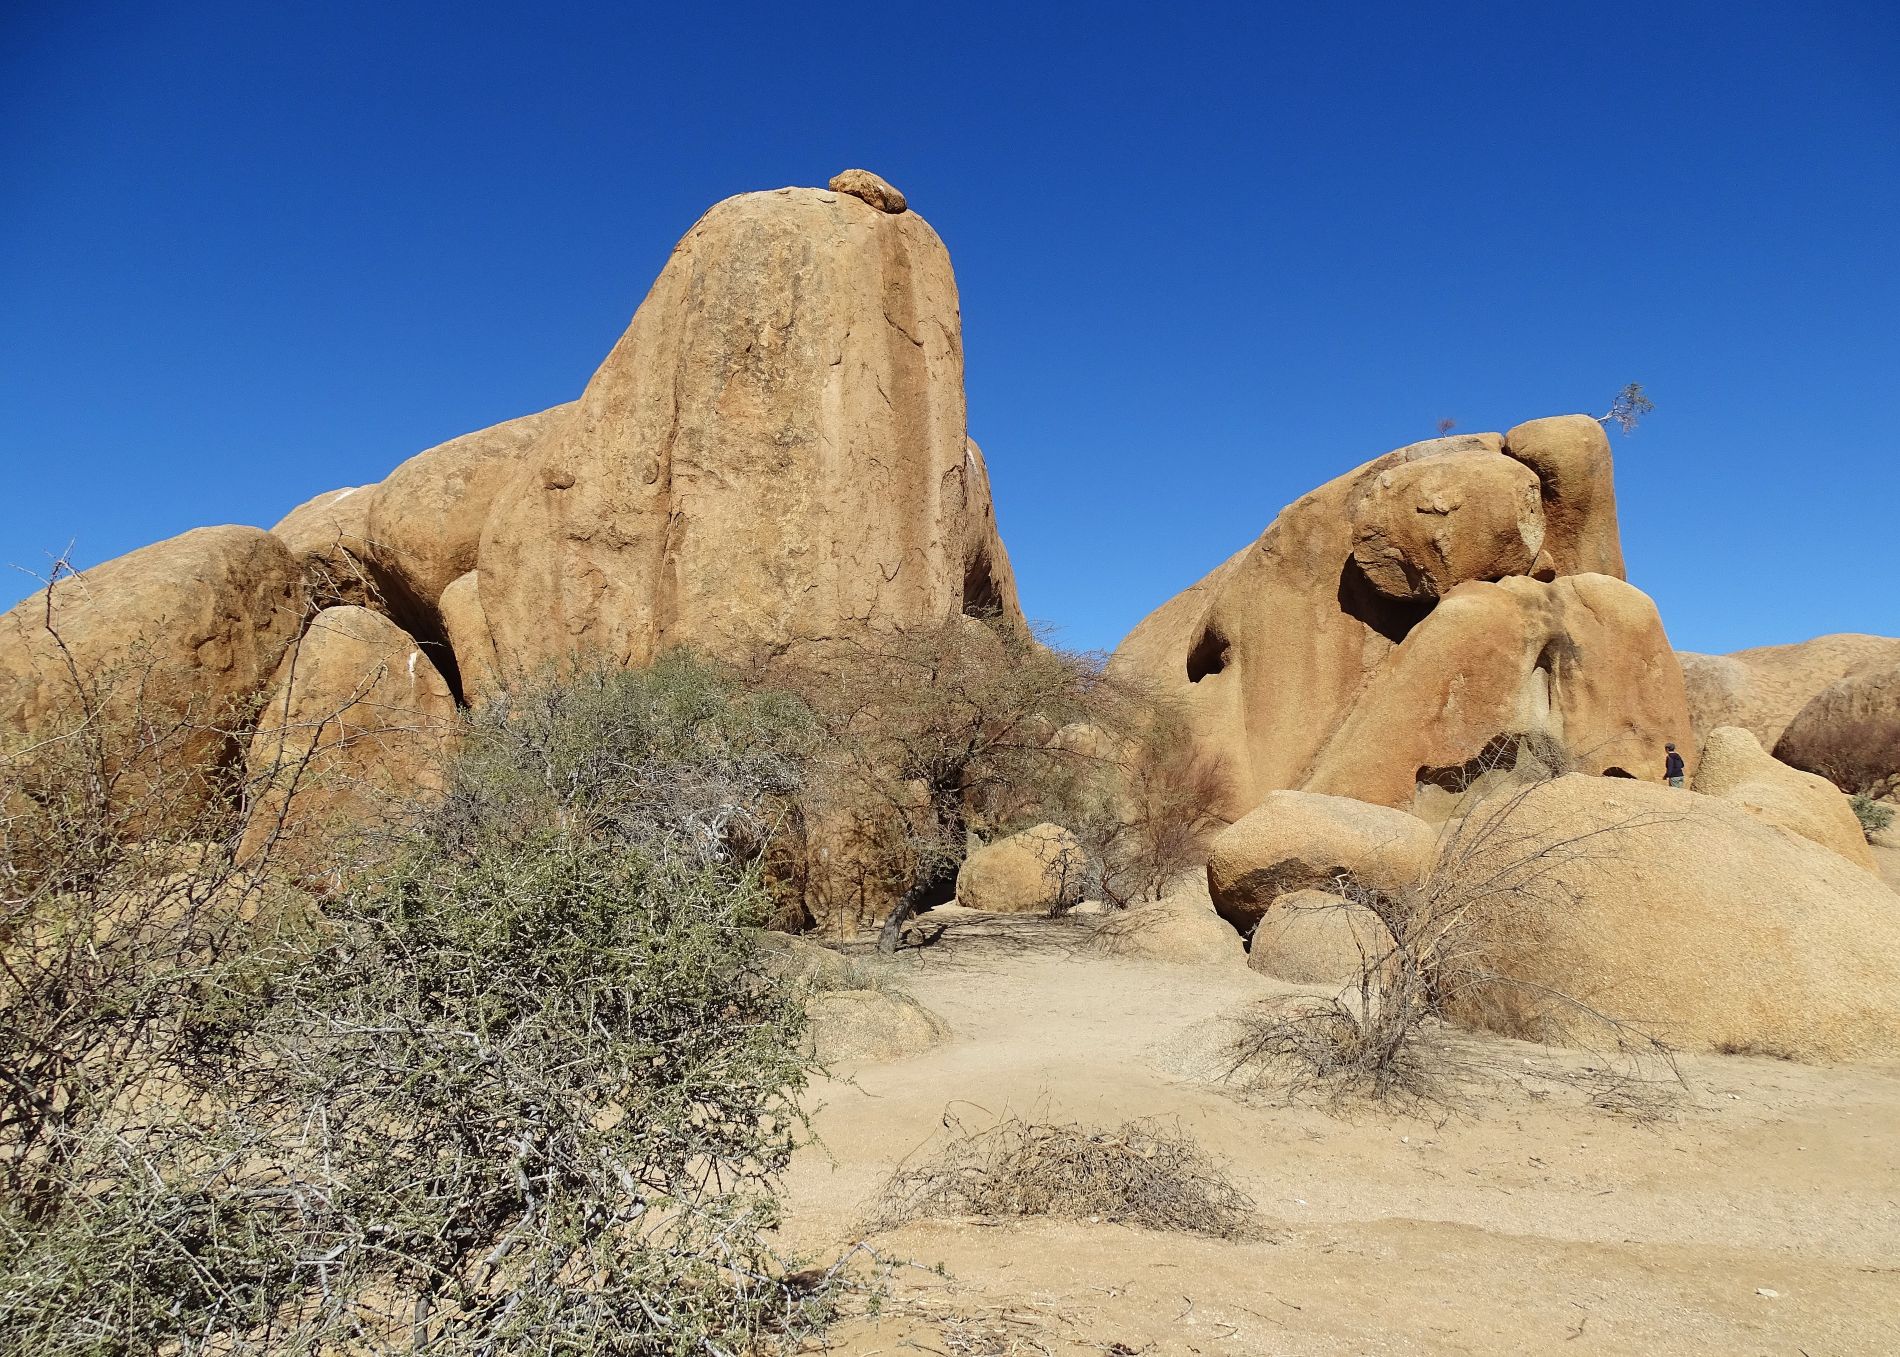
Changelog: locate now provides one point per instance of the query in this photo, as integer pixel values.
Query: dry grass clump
(1141, 1173)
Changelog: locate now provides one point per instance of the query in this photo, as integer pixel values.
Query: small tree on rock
(1629, 406)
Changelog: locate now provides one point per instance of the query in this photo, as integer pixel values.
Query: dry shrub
(1386, 1036)
(1141, 1173)
(1145, 810)
(943, 734)
(523, 1084)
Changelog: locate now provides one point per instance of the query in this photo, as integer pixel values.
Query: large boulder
(425, 520)
(1849, 732)
(774, 451)
(1040, 869)
(176, 640)
(359, 724)
(1293, 840)
(1312, 937)
(329, 536)
(1571, 456)
(1762, 690)
(1679, 913)
(1735, 767)
(1422, 527)
(1318, 658)
(1579, 666)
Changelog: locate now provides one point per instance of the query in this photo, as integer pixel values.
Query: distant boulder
(1763, 689)
(1421, 619)
(1735, 767)
(1032, 872)
(1849, 732)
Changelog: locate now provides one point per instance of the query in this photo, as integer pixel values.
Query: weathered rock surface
(1849, 732)
(1294, 840)
(1422, 527)
(466, 628)
(1581, 663)
(1312, 937)
(358, 722)
(774, 451)
(1761, 690)
(872, 189)
(182, 635)
(1032, 872)
(1355, 652)
(328, 534)
(425, 520)
(1571, 456)
(1686, 915)
(1736, 768)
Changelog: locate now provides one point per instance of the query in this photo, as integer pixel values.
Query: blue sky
(1209, 256)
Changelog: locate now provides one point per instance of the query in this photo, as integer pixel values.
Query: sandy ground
(1760, 1215)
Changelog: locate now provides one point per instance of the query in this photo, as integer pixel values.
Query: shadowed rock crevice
(1208, 656)
(1392, 618)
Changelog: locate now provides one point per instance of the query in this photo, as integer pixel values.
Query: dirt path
(1763, 1216)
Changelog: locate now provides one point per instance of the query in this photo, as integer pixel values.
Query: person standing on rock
(1672, 765)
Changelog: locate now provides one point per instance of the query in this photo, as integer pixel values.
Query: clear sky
(1209, 256)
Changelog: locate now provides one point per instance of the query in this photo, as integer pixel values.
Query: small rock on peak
(863, 184)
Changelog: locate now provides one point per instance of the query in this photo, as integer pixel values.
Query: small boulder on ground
(871, 188)
(1736, 768)
(1181, 928)
(1033, 872)
(1683, 915)
(870, 1025)
(1294, 840)
(1313, 937)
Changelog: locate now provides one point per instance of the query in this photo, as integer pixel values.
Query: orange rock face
(1421, 619)
(178, 637)
(774, 451)
(357, 721)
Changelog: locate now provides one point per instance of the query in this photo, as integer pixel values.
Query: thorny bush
(524, 1083)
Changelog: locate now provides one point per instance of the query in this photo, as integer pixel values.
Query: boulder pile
(1422, 620)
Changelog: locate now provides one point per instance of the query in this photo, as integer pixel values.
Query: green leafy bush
(1873, 816)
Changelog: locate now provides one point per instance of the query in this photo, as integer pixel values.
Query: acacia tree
(947, 729)
(1629, 406)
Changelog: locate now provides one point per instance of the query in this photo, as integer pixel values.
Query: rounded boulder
(1293, 840)
(1681, 915)
(1736, 768)
(1314, 937)
(1423, 527)
(1033, 872)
